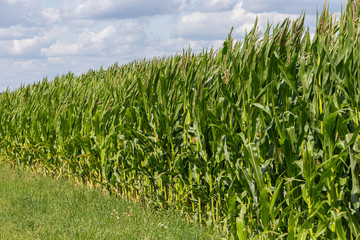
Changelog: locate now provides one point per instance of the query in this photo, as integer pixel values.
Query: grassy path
(37, 207)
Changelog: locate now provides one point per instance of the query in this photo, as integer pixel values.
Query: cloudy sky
(41, 38)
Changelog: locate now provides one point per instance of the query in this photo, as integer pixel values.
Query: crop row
(259, 138)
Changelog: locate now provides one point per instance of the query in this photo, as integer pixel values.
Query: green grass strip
(37, 207)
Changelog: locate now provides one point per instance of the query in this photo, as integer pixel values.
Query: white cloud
(88, 42)
(96, 39)
(213, 25)
(31, 45)
(16, 32)
(60, 49)
(216, 25)
(109, 40)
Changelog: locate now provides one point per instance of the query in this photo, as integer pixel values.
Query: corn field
(259, 138)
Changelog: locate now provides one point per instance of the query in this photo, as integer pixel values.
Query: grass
(40, 207)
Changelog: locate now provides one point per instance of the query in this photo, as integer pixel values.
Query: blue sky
(41, 38)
